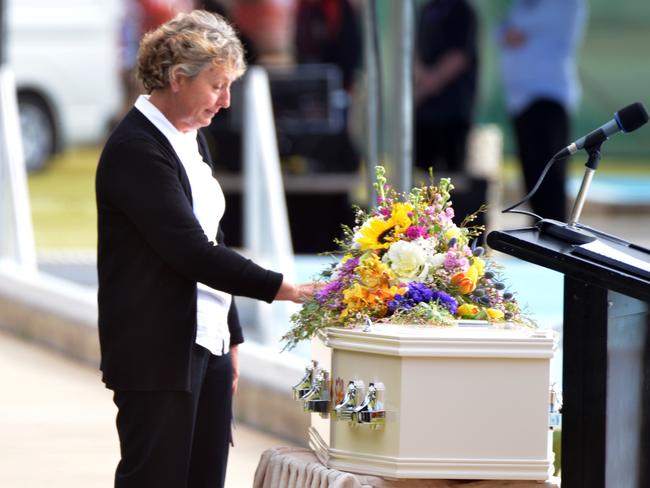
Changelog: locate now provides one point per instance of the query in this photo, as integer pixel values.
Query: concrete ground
(57, 424)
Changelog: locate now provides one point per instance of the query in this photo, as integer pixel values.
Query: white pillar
(267, 236)
(16, 231)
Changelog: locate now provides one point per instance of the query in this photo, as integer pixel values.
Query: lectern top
(611, 263)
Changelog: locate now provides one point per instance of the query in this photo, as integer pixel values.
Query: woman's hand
(297, 293)
(234, 358)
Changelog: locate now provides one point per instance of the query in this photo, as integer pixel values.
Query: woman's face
(199, 99)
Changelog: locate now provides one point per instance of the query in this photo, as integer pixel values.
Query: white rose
(406, 259)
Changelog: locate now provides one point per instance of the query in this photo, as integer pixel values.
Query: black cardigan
(151, 253)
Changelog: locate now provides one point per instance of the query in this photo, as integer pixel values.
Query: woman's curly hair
(187, 44)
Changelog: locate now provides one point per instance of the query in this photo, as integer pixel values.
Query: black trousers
(542, 129)
(441, 146)
(176, 439)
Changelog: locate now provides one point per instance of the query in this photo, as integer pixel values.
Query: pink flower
(454, 261)
(416, 231)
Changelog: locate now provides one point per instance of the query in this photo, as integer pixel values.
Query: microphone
(627, 119)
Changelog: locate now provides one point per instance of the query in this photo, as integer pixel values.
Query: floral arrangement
(407, 262)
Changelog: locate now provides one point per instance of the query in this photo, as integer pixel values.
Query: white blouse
(209, 205)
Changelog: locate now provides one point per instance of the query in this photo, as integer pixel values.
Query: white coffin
(461, 402)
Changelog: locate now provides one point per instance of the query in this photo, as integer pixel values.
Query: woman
(168, 327)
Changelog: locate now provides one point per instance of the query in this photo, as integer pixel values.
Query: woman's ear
(175, 80)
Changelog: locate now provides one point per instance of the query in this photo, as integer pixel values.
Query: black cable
(525, 212)
(511, 208)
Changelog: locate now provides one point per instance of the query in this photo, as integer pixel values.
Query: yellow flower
(400, 217)
(354, 299)
(467, 310)
(355, 293)
(479, 264)
(373, 272)
(452, 232)
(373, 301)
(466, 282)
(376, 234)
(494, 313)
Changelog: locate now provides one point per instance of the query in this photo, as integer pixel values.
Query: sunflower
(400, 217)
(377, 233)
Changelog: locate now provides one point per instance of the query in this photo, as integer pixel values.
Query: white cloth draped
(288, 467)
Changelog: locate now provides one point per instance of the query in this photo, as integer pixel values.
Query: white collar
(157, 118)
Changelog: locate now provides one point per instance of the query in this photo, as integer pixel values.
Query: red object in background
(268, 23)
(157, 12)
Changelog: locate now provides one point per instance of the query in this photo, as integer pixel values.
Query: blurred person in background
(445, 77)
(539, 40)
(329, 31)
(168, 326)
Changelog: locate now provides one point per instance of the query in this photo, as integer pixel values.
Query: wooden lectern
(606, 353)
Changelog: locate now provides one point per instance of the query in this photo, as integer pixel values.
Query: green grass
(557, 449)
(63, 201)
(63, 195)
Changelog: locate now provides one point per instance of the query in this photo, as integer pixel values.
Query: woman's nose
(224, 98)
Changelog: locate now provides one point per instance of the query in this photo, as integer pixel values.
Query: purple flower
(420, 293)
(447, 301)
(331, 294)
(325, 294)
(348, 267)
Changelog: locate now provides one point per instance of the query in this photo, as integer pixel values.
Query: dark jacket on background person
(151, 253)
(442, 26)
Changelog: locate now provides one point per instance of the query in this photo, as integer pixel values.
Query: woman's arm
(137, 179)
(297, 293)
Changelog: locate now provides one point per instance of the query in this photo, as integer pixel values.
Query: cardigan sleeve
(139, 179)
(234, 326)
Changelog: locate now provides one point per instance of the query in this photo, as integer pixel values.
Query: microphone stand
(571, 232)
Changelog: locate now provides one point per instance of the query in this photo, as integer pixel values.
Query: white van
(65, 58)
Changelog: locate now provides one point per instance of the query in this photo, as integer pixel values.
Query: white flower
(355, 240)
(407, 260)
(436, 260)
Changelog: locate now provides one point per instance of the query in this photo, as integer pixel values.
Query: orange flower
(466, 282)
(339, 390)
(373, 301)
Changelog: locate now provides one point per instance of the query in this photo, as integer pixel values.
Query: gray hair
(186, 45)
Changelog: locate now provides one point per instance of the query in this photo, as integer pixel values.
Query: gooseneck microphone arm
(591, 166)
(571, 232)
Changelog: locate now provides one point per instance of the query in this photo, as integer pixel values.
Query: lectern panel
(606, 354)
